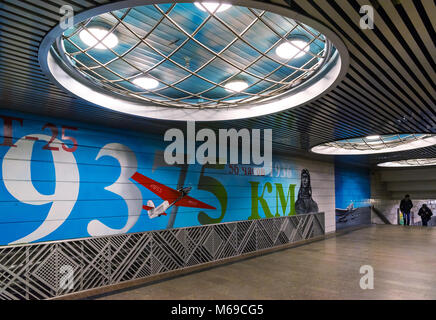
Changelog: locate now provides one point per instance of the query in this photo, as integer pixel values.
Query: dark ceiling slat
(430, 9)
(39, 8)
(420, 38)
(338, 122)
(346, 114)
(25, 16)
(19, 25)
(16, 44)
(21, 51)
(56, 93)
(19, 42)
(283, 126)
(12, 61)
(378, 84)
(20, 35)
(362, 46)
(362, 95)
(422, 25)
(76, 5)
(10, 56)
(30, 83)
(7, 51)
(411, 57)
(366, 111)
(373, 93)
(16, 9)
(22, 73)
(312, 115)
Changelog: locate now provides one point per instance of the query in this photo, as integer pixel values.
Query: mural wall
(63, 180)
(353, 192)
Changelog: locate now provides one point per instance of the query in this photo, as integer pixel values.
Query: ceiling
(193, 54)
(389, 87)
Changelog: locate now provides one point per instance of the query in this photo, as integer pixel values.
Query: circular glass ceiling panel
(376, 144)
(194, 56)
(409, 163)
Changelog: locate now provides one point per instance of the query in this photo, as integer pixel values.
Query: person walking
(405, 206)
(425, 214)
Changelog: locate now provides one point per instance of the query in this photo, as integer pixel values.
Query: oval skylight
(409, 163)
(376, 144)
(194, 55)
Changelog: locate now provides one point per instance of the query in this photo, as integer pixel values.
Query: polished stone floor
(403, 260)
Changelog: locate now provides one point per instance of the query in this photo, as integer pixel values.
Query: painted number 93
(17, 177)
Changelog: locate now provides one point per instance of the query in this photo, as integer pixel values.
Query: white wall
(322, 176)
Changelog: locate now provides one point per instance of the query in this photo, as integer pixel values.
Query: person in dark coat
(305, 203)
(405, 206)
(425, 214)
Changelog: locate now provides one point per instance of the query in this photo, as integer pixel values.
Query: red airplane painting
(170, 196)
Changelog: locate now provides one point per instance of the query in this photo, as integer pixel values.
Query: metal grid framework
(410, 163)
(47, 270)
(193, 62)
(382, 142)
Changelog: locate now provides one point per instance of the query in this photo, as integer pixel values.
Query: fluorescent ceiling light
(237, 85)
(146, 83)
(212, 6)
(92, 36)
(291, 49)
(372, 137)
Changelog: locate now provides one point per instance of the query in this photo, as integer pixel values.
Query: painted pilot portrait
(305, 203)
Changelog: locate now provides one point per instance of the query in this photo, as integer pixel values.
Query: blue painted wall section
(352, 186)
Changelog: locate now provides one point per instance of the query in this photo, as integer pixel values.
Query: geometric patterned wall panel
(246, 232)
(130, 257)
(225, 240)
(168, 250)
(199, 244)
(267, 232)
(46, 270)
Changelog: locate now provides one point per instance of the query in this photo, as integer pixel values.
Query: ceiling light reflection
(92, 36)
(292, 49)
(212, 6)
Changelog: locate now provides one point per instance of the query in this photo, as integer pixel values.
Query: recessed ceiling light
(212, 6)
(146, 83)
(372, 137)
(92, 36)
(292, 49)
(236, 85)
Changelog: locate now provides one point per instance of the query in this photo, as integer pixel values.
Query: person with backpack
(425, 214)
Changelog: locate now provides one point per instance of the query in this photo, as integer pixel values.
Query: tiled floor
(403, 259)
